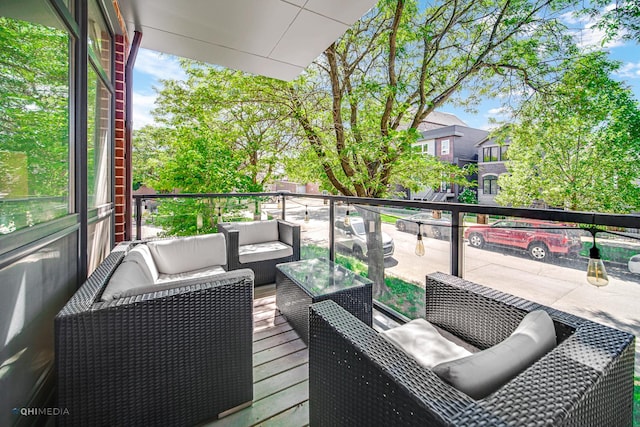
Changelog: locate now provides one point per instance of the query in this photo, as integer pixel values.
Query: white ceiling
(275, 38)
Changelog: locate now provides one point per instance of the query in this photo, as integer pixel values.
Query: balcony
(556, 279)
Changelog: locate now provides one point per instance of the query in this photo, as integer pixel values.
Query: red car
(541, 239)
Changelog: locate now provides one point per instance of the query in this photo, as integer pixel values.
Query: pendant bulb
(419, 244)
(306, 213)
(199, 221)
(596, 273)
(347, 220)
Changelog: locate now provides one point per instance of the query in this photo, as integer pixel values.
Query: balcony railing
(539, 254)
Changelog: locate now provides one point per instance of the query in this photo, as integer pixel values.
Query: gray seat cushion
(263, 251)
(189, 275)
(422, 341)
(483, 373)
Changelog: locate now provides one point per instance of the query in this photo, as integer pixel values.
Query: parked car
(353, 238)
(438, 228)
(541, 239)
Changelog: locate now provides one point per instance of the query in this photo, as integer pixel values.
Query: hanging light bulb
(347, 220)
(419, 243)
(306, 213)
(596, 273)
(199, 221)
(279, 203)
(219, 215)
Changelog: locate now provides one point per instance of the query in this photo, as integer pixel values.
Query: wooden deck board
(295, 417)
(280, 373)
(280, 369)
(279, 365)
(278, 382)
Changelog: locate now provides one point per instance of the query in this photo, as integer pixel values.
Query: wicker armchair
(265, 269)
(173, 357)
(356, 378)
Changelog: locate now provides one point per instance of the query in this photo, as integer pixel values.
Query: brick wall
(121, 48)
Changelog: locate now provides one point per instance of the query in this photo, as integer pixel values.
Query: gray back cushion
(141, 255)
(183, 254)
(128, 277)
(256, 231)
(483, 373)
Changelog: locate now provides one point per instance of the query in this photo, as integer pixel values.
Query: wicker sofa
(176, 356)
(260, 245)
(356, 378)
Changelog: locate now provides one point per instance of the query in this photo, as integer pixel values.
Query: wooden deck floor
(280, 369)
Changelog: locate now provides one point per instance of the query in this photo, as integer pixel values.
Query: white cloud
(499, 112)
(630, 70)
(142, 106)
(159, 65)
(586, 34)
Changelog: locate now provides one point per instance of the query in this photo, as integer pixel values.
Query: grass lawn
(636, 402)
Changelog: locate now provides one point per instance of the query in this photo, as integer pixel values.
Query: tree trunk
(375, 254)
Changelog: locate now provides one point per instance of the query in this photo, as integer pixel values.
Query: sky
(152, 66)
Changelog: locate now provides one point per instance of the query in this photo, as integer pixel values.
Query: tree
(150, 148)
(214, 136)
(218, 109)
(577, 146)
(361, 103)
(619, 19)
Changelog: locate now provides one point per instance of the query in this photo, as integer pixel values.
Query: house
(492, 159)
(453, 144)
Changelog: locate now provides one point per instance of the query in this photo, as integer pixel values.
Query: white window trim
(442, 147)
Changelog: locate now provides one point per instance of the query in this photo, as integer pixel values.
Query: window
(491, 154)
(494, 154)
(490, 184)
(99, 37)
(98, 141)
(444, 146)
(503, 152)
(34, 130)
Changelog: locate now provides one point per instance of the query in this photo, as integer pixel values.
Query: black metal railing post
(284, 207)
(457, 242)
(138, 218)
(332, 220)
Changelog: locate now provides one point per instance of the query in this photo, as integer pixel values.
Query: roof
(438, 119)
(274, 38)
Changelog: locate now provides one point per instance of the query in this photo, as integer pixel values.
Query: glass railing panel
(546, 262)
(313, 217)
(393, 263)
(189, 216)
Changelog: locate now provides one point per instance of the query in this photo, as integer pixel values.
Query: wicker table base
(302, 283)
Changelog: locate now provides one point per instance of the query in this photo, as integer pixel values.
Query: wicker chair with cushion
(260, 245)
(173, 356)
(357, 378)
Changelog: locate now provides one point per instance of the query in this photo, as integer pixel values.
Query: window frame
(493, 188)
(445, 143)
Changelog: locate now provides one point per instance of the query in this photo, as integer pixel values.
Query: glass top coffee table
(302, 283)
